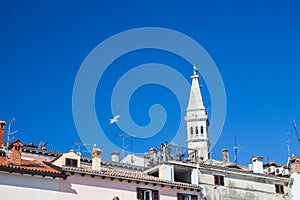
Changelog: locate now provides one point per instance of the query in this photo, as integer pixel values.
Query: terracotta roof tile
(129, 175)
(271, 163)
(30, 167)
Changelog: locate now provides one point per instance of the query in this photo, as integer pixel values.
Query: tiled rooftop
(236, 169)
(30, 167)
(137, 176)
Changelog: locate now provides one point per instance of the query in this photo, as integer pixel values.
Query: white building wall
(194, 177)
(296, 186)
(166, 172)
(134, 160)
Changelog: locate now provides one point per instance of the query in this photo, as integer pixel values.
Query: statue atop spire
(195, 70)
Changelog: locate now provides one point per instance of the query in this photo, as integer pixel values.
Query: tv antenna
(123, 143)
(295, 127)
(9, 134)
(77, 147)
(115, 119)
(236, 150)
(289, 153)
(42, 145)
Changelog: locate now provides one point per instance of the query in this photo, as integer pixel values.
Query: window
(71, 162)
(219, 180)
(191, 130)
(196, 130)
(146, 194)
(279, 189)
(186, 197)
(201, 131)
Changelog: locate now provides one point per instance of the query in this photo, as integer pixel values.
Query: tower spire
(195, 101)
(197, 122)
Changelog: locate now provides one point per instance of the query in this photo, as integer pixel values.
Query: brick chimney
(96, 158)
(225, 156)
(257, 164)
(2, 126)
(16, 151)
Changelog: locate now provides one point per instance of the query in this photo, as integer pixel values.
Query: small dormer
(69, 159)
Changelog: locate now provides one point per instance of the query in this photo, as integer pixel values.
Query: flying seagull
(114, 120)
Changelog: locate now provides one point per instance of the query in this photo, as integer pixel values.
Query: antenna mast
(78, 145)
(236, 150)
(9, 134)
(123, 143)
(289, 153)
(295, 127)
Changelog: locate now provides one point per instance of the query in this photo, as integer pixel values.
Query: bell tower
(197, 123)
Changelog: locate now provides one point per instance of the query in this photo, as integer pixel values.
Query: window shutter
(179, 197)
(222, 180)
(155, 195)
(139, 193)
(194, 197)
(216, 180)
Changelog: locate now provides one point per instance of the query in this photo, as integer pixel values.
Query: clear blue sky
(255, 45)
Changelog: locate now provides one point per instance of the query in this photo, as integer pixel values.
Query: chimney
(257, 164)
(295, 164)
(2, 126)
(96, 158)
(250, 166)
(147, 161)
(16, 151)
(115, 156)
(225, 156)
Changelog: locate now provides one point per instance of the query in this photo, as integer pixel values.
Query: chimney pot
(295, 164)
(257, 164)
(2, 126)
(16, 151)
(96, 158)
(225, 156)
(115, 156)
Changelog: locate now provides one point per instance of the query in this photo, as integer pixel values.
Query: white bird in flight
(114, 120)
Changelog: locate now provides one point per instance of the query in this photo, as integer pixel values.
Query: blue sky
(255, 45)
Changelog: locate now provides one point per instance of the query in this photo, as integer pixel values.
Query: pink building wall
(17, 186)
(77, 187)
(85, 187)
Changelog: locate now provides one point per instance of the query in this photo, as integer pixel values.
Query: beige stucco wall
(61, 161)
(240, 187)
